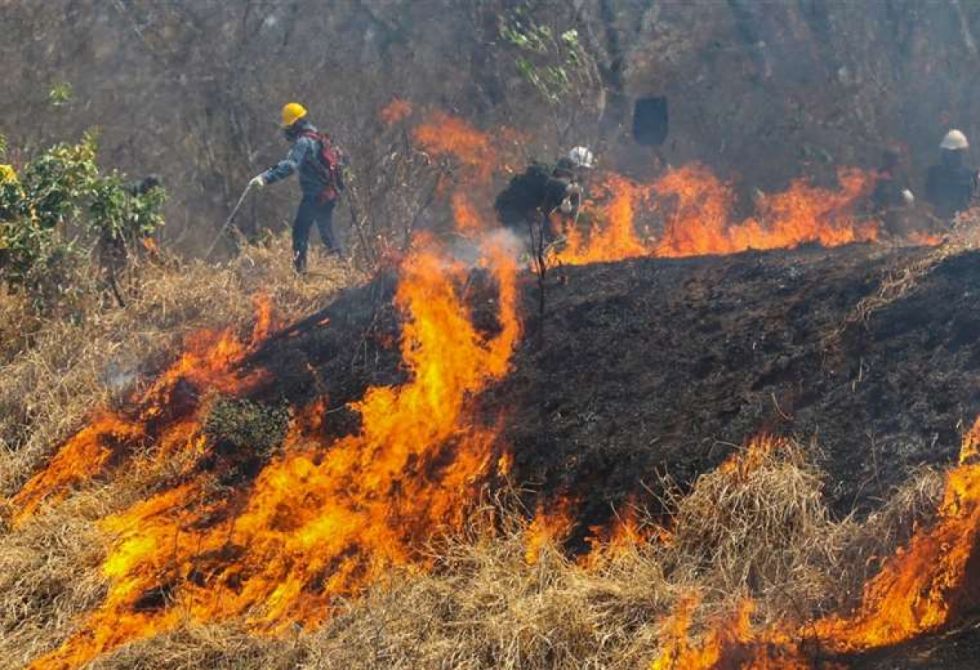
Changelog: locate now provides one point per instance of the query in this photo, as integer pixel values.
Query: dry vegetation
(758, 526)
(755, 527)
(54, 372)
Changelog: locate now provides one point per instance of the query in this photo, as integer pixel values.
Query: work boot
(299, 264)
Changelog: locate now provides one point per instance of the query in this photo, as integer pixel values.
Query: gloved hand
(257, 182)
(908, 197)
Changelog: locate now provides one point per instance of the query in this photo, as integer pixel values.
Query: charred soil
(666, 366)
(657, 366)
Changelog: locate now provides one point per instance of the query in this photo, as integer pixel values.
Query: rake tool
(231, 217)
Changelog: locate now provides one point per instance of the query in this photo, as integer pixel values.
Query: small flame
(468, 221)
(756, 454)
(550, 526)
(449, 136)
(621, 537)
(395, 111)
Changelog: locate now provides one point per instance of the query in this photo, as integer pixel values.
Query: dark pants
(312, 211)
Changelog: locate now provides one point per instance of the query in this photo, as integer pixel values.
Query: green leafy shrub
(63, 222)
(552, 60)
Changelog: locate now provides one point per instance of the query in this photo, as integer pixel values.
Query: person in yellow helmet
(317, 162)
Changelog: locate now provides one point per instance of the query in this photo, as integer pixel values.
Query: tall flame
(321, 521)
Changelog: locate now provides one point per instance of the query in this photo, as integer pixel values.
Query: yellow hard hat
(291, 113)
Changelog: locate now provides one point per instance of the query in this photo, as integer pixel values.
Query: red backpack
(330, 165)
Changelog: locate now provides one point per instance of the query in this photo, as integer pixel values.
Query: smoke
(471, 250)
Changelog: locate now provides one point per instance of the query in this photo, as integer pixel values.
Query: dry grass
(900, 280)
(760, 531)
(52, 373)
(48, 576)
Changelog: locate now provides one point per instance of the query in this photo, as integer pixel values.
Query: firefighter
(950, 185)
(891, 199)
(317, 160)
(540, 194)
(891, 189)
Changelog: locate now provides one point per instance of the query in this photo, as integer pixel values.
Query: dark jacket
(537, 190)
(950, 186)
(304, 157)
(888, 193)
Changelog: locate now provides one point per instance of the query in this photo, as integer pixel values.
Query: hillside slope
(660, 365)
(199, 503)
(657, 365)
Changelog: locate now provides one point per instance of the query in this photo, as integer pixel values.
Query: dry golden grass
(53, 373)
(761, 532)
(760, 529)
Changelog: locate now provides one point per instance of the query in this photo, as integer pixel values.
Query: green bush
(550, 59)
(62, 221)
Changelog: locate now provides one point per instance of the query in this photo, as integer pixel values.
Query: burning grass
(698, 217)
(55, 372)
(753, 531)
(374, 550)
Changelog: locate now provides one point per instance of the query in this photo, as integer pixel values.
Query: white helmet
(954, 141)
(581, 157)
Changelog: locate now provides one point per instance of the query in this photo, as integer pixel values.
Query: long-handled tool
(221, 232)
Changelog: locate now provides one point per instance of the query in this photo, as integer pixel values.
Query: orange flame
(756, 453)
(208, 364)
(617, 239)
(922, 239)
(699, 219)
(730, 642)
(395, 111)
(449, 136)
(468, 221)
(319, 523)
(625, 534)
(549, 527)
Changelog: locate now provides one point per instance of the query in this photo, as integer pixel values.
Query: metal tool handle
(234, 211)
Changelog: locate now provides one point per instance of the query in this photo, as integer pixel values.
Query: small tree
(64, 224)
(550, 56)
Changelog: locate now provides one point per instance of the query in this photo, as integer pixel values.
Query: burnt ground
(662, 365)
(957, 648)
(665, 365)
